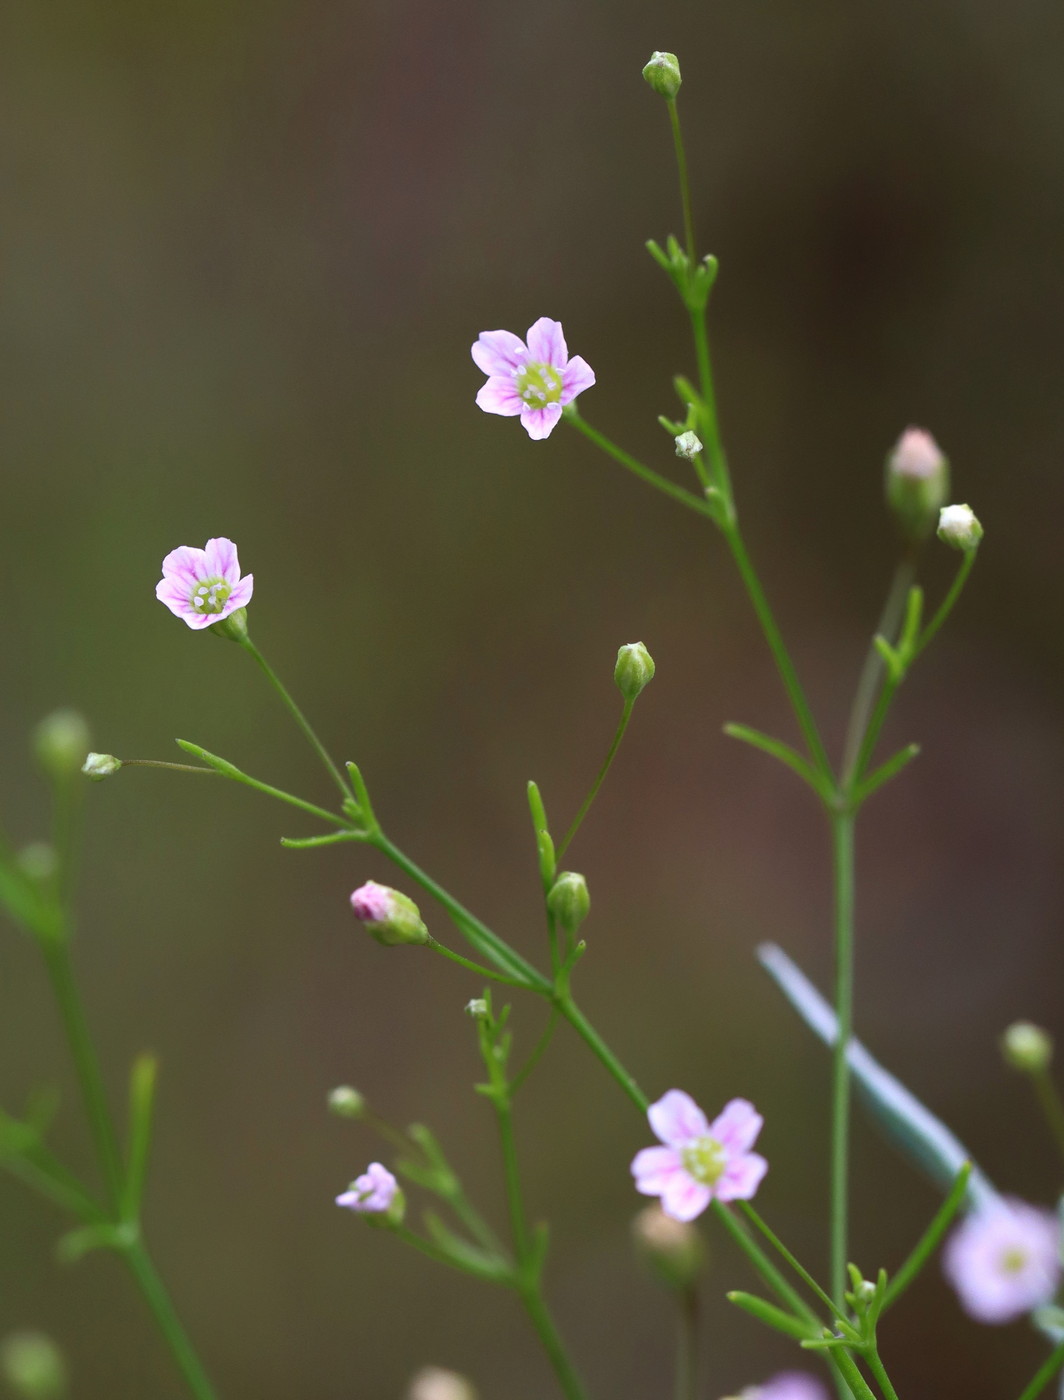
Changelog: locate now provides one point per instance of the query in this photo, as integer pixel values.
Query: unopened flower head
(535, 379)
(917, 483)
(663, 73)
(477, 1009)
(788, 1385)
(673, 1249)
(98, 766)
(375, 1192)
(31, 1364)
(1004, 1260)
(958, 527)
(1027, 1047)
(688, 445)
(434, 1383)
(61, 741)
(700, 1160)
(569, 900)
(391, 917)
(634, 669)
(346, 1102)
(204, 586)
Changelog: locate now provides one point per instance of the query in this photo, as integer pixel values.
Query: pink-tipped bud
(389, 916)
(917, 483)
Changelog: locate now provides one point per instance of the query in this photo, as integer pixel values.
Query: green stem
(842, 829)
(685, 187)
(708, 417)
(537, 1052)
(158, 1300)
(780, 655)
(174, 767)
(1052, 1107)
(781, 1249)
(57, 960)
(626, 715)
(652, 478)
(298, 715)
(518, 1226)
(889, 622)
(959, 580)
(927, 1243)
(848, 1368)
(687, 1344)
(875, 1365)
(539, 1315)
(475, 967)
(583, 1027)
(1045, 1373)
(764, 1266)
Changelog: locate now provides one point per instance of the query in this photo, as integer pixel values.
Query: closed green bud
(673, 1250)
(61, 741)
(434, 1383)
(569, 900)
(346, 1102)
(391, 917)
(98, 766)
(959, 528)
(1027, 1047)
(634, 669)
(917, 484)
(32, 1366)
(663, 74)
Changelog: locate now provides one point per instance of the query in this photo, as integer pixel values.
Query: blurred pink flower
(372, 1192)
(535, 380)
(700, 1160)
(788, 1385)
(1004, 1260)
(204, 585)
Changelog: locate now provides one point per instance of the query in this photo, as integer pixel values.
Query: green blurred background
(245, 248)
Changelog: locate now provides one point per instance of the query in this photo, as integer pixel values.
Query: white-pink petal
(676, 1118)
(741, 1178)
(653, 1168)
(185, 563)
(546, 343)
(577, 377)
(499, 352)
(498, 395)
(683, 1198)
(241, 594)
(736, 1127)
(539, 423)
(221, 560)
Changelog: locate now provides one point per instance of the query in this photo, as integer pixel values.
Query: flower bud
(634, 669)
(663, 74)
(673, 1250)
(389, 916)
(61, 741)
(688, 446)
(1027, 1047)
(569, 900)
(234, 627)
(32, 1366)
(98, 766)
(376, 1195)
(346, 1102)
(917, 483)
(434, 1383)
(477, 1009)
(39, 862)
(958, 527)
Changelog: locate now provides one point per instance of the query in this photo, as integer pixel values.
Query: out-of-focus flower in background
(1004, 1260)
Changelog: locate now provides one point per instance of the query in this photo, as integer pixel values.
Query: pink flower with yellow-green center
(1004, 1260)
(202, 586)
(699, 1161)
(534, 379)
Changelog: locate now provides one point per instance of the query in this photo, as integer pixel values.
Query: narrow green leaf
(772, 1316)
(886, 771)
(229, 770)
(77, 1243)
(930, 1239)
(306, 843)
(778, 749)
(464, 1255)
(141, 1105)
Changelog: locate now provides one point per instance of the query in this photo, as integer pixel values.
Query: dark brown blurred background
(245, 249)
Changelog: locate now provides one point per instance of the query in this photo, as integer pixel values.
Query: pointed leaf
(772, 1316)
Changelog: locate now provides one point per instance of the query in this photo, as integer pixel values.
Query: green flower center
(704, 1159)
(1013, 1261)
(538, 384)
(210, 595)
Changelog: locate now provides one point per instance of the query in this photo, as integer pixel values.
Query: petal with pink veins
(186, 563)
(676, 1118)
(736, 1127)
(541, 422)
(578, 376)
(684, 1198)
(498, 395)
(499, 352)
(241, 594)
(741, 1178)
(654, 1168)
(546, 343)
(220, 556)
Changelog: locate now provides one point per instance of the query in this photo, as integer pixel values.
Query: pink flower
(700, 1160)
(535, 380)
(372, 903)
(788, 1385)
(1004, 1260)
(373, 1192)
(204, 585)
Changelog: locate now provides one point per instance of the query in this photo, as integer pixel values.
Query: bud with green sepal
(61, 741)
(673, 1250)
(663, 74)
(477, 1009)
(917, 484)
(33, 1367)
(688, 445)
(569, 900)
(634, 669)
(98, 766)
(959, 528)
(1027, 1047)
(347, 1102)
(392, 918)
